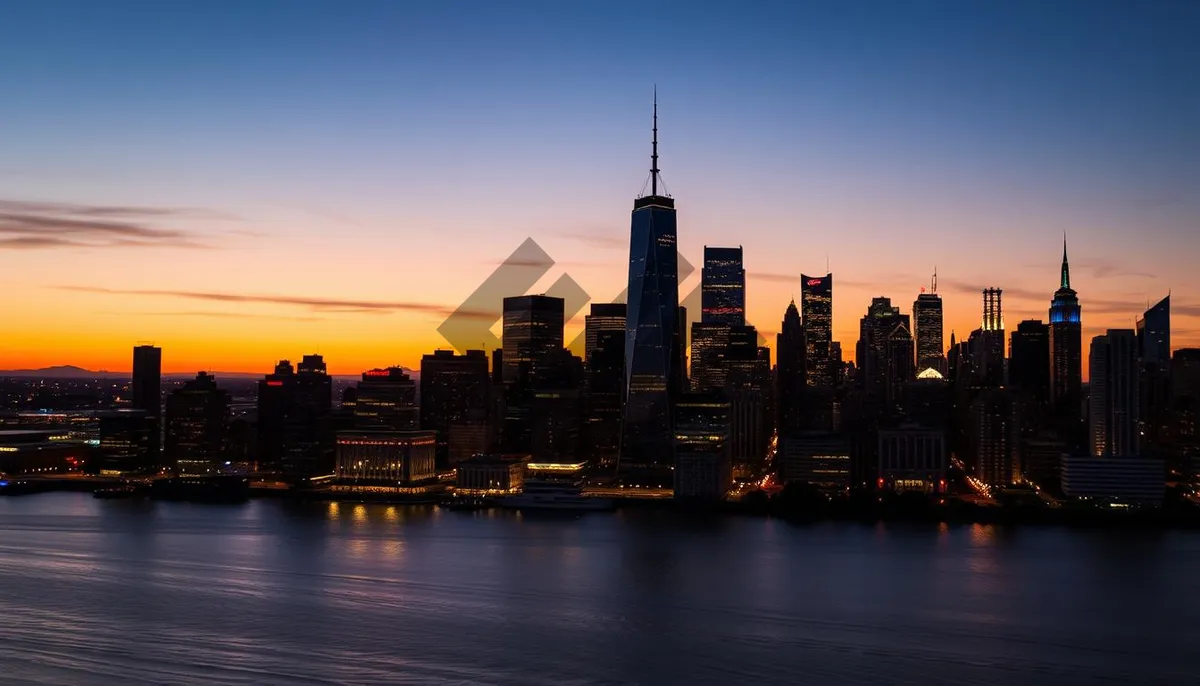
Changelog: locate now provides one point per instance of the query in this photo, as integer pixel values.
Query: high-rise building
(899, 370)
(146, 393)
(295, 407)
(927, 320)
(994, 436)
(1066, 348)
(875, 330)
(1113, 394)
(710, 342)
(604, 317)
(603, 393)
(1029, 359)
(990, 363)
(456, 403)
(703, 468)
(1154, 384)
(386, 400)
(533, 331)
(723, 287)
(791, 373)
(125, 442)
(653, 343)
(197, 423)
(816, 303)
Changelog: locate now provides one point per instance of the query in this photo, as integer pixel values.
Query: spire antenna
(934, 284)
(654, 149)
(1066, 269)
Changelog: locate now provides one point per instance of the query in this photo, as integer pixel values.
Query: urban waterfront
(97, 592)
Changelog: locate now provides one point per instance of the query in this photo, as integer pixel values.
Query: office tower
(146, 393)
(747, 388)
(710, 341)
(816, 303)
(197, 423)
(456, 403)
(875, 330)
(723, 287)
(1154, 351)
(791, 373)
(900, 370)
(1113, 394)
(679, 344)
(1029, 360)
(603, 393)
(295, 406)
(125, 439)
(991, 353)
(604, 317)
(703, 469)
(994, 435)
(818, 458)
(543, 411)
(653, 341)
(927, 319)
(533, 331)
(386, 400)
(1066, 348)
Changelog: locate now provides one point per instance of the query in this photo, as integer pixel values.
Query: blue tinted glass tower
(651, 335)
(1066, 347)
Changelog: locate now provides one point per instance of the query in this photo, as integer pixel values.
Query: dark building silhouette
(990, 362)
(791, 373)
(197, 425)
(927, 322)
(1066, 350)
(125, 442)
(145, 393)
(747, 389)
(710, 342)
(1113, 397)
(816, 303)
(533, 331)
(875, 331)
(723, 287)
(703, 468)
(603, 393)
(900, 370)
(295, 407)
(1154, 384)
(386, 400)
(1029, 360)
(456, 403)
(603, 317)
(994, 436)
(654, 342)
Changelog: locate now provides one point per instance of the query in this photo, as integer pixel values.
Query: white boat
(555, 493)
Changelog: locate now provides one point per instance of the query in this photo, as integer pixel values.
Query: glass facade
(816, 305)
(723, 287)
(650, 335)
(533, 332)
(927, 317)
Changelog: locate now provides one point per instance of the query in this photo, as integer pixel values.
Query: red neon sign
(274, 383)
(814, 282)
(378, 372)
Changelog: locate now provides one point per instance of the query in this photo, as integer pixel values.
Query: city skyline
(233, 227)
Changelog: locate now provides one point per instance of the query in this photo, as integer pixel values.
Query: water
(123, 592)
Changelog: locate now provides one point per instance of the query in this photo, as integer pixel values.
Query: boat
(467, 504)
(555, 487)
(202, 489)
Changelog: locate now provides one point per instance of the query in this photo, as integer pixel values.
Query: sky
(245, 182)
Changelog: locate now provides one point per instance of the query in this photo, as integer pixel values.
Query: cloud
(325, 305)
(768, 276)
(42, 225)
(1012, 292)
(218, 315)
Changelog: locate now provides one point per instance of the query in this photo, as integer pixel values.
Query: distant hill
(62, 372)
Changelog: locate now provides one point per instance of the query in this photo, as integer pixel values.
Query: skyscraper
(791, 373)
(1113, 394)
(197, 421)
(295, 408)
(816, 303)
(927, 319)
(533, 331)
(1066, 348)
(710, 342)
(604, 317)
(146, 393)
(653, 350)
(386, 400)
(603, 393)
(875, 330)
(900, 370)
(723, 287)
(1154, 351)
(991, 359)
(456, 403)
(1029, 360)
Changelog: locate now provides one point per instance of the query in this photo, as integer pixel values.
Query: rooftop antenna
(654, 149)
(934, 284)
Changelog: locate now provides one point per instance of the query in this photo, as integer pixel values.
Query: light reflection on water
(275, 593)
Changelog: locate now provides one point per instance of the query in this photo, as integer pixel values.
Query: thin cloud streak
(218, 315)
(316, 304)
(600, 241)
(41, 225)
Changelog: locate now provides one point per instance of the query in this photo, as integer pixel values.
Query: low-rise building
(818, 458)
(912, 458)
(490, 475)
(374, 460)
(1137, 480)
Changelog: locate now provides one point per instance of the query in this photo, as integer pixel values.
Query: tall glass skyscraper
(723, 287)
(816, 305)
(652, 356)
(927, 318)
(1066, 346)
(533, 332)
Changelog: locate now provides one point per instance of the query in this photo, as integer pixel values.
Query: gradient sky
(243, 182)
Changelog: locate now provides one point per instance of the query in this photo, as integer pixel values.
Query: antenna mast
(654, 149)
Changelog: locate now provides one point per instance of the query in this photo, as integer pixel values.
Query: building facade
(816, 302)
(1113, 398)
(456, 402)
(197, 424)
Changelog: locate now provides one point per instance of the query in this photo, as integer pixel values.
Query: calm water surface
(118, 592)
